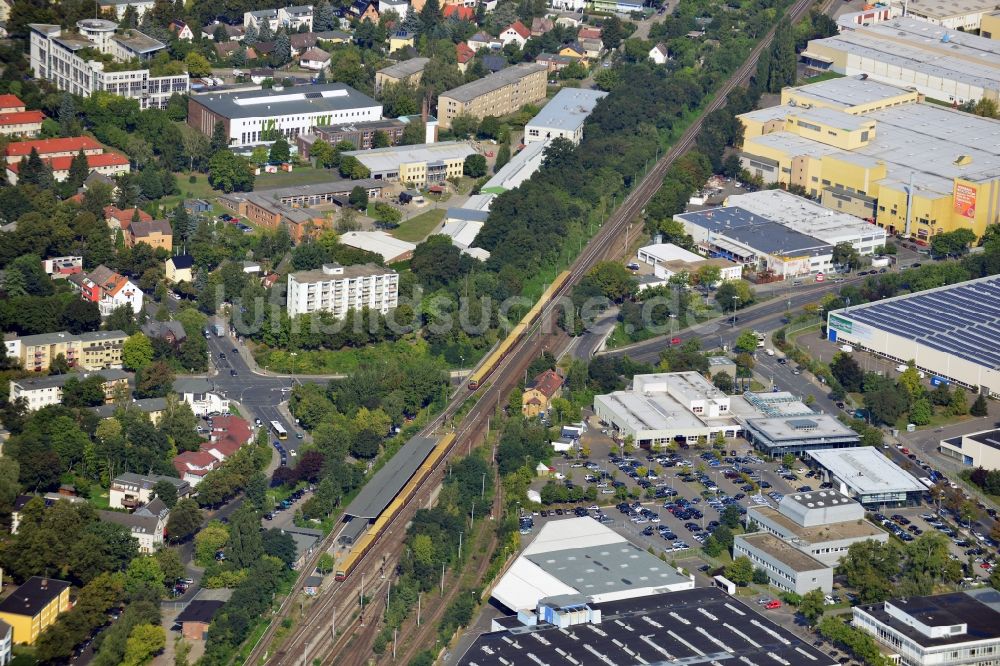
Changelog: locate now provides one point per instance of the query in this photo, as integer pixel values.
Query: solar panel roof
(961, 319)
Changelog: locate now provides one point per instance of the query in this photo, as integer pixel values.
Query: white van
(770, 352)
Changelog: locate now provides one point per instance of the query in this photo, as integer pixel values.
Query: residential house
(234, 33)
(34, 606)
(405, 71)
(464, 55)
(589, 32)
(539, 393)
(155, 233)
(659, 54)
(181, 29)
(401, 7)
(197, 206)
(90, 351)
(52, 148)
(108, 289)
(117, 8)
(229, 434)
(197, 616)
(516, 33)
(401, 40)
(295, 18)
(314, 59)
(39, 392)
(592, 48)
(459, 12)
(147, 524)
(540, 26)
(48, 501)
(333, 37)
(170, 331)
(198, 393)
(11, 103)
(192, 466)
(153, 408)
(227, 49)
(554, 61)
(573, 51)
(60, 267)
(570, 20)
(481, 40)
(179, 268)
(365, 10)
(21, 124)
(495, 95)
(116, 218)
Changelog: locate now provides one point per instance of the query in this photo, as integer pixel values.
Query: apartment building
(34, 606)
(130, 490)
(76, 62)
(108, 289)
(96, 350)
(495, 95)
(147, 524)
(408, 71)
(337, 289)
(39, 392)
(20, 124)
(293, 19)
(155, 233)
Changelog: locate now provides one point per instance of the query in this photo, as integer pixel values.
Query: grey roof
(388, 481)
(159, 329)
(387, 159)
(200, 610)
(289, 101)
(607, 568)
(699, 626)
(192, 385)
(406, 68)
(182, 260)
(33, 595)
(974, 608)
(505, 77)
(134, 521)
(44, 338)
(865, 470)
(51, 381)
(758, 232)
(467, 214)
(99, 336)
(350, 272)
(147, 481)
(961, 319)
(146, 405)
(568, 109)
(320, 189)
(139, 42)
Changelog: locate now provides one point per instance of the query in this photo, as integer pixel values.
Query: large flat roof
(386, 159)
(961, 319)
(756, 232)
(383, 487)
(975, 609)
(405, 68)
(568, 109)
(941, 9)
(805, 216)
(865, 470)
(686, 627)
(379, 242)
(848, 91)
(796, 428)
(318, 98)
(785, 553)
(487, 84)
(520, 168)
(848, 529)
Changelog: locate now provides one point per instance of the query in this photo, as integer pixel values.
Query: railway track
(351, 646)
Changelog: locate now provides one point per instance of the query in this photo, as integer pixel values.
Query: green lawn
(825, 76)
(417, 228)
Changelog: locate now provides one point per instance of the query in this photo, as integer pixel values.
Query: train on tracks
(493, 360)
(365, 543)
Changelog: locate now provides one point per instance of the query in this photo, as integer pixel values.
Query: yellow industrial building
(34, 606)
(881, 153)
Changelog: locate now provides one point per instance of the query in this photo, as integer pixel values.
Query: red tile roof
(463, 51)
(11, 102)
(93, 161)
(194, 462)
(547, 383)
(233, 426)
(47, 146)
(124, 217)
(460, 12)
(20, 117)
(520, 29)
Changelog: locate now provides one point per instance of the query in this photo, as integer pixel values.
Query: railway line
(314, 638)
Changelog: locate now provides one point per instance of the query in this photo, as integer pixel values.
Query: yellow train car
(494, 359)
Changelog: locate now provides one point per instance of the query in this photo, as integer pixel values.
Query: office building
(668, 260)
(941, 630)
(684, 407)
(692, 626)
(877, 152)
(115, 9)
(495, 95)
(940, 62)
(255, 116)
(812, 219)
(76, 62)
(39, 392)
(360, 135)
(949, 332)
(337, 289)
(130, 490)
(865, 474)
(787, 567)
(778, 435)
(419, 165)
(580, 556)
(407, 71)
(263, 210)
(563, 116)
(34, 606)
(976, 449)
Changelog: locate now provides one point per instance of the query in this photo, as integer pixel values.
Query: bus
(279, 430)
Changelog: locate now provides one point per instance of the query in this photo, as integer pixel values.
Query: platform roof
(383, 487)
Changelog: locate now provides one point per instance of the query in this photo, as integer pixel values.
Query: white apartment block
(56, 57)
(290, 18)
(337, 289)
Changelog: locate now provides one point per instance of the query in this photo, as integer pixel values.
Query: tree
(734, 294)
(847, 371)
(980, 406)
(921, 412)
(143, 572)
(959, 402)
(325, 563)
(844, 254)
(503, 156)
(869, 567)
(79, 169)
(723, 381)
(209, 541)
(137, 352)
(474, 166)
(381, 139)
(185, 519)
(197, 64)
(167, 492)
(145, 641)
(280, 544)
(746, 342)
(86, 392)
(740, 571)
(351, 167)
(280, 151)
(613, 280)
(358, 197)
(230, 172)
(154, 380)
(245, 543)
(885, 405)
(282, 50)
(220, 140)
(812, 606)
(730, 517)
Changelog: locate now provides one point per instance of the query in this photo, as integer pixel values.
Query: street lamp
(735, 299)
